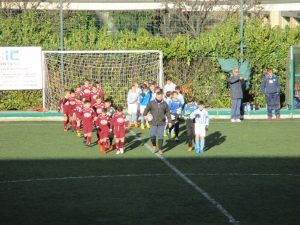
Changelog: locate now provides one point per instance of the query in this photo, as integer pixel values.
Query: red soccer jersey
(78, 109)
(103, 122)
(119, 121)
(98, 108)
(94, 96)
(64, 101)
(87, 116)
(86, 92)
(78, 93)
(72, 105)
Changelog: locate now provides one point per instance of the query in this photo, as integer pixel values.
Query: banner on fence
(21, 68)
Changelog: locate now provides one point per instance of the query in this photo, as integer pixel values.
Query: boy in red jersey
(103, 129)
(64, 101)
(110, 112)
(88, 116)
(120, 125)
(72, 105)
(86, 89)
(94, 95)
(78, 91)
(99, 89)
(98, 106)
(77, 113)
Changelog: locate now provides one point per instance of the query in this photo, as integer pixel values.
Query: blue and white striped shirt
(201, 117)
(132, 97)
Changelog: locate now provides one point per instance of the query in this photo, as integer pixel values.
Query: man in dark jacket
(160, 111)
(270, 86)
(236, 94)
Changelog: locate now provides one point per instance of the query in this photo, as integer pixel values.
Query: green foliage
(185, 59)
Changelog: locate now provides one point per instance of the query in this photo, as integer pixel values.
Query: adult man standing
(160, 111)
(270, 86)
(236, 94)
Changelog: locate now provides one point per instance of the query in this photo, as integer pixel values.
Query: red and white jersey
(72, 102)
(78, 93)
(103, 122)
(118, 121)
(87, 115)
(86, 92)
(94, 95)
(100, 93)
(78, 107)
(64, 100)
(98, 108)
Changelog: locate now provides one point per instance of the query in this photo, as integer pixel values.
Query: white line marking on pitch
(145, 175)
(200, 190)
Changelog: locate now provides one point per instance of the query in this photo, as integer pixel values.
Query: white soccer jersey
(201, 117)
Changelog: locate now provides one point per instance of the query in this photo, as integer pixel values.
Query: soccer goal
(115, 70)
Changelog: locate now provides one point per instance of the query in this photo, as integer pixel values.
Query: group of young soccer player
(87, 108)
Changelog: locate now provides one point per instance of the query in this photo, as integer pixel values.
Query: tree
(195, 16)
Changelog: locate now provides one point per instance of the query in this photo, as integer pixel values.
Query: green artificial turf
(251, 169)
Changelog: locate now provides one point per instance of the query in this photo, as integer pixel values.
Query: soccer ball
(150, 117)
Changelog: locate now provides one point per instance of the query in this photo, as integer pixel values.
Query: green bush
(191, 62)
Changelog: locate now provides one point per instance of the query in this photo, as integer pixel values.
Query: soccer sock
(85, 137)
(153, 141)
(134, 118)
(142, 120)
(130, 119)
(104, 144)
(65, 124)
(160, 143)
(121, 144)
(190, 142)
(197, 143)
(202, 142)
(117, 146)
(78, 129)
(89, 140)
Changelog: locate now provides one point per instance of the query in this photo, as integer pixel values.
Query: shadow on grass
(214, 139)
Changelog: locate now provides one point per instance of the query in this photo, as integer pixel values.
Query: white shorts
(142, 108)
(200, 129)
(132, 108)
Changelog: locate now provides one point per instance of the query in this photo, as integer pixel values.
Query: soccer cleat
(269, 118)
(118, 152)
(84, 141)
(121, 150)
(173, 135)
(142, 126)
(176, 139)
(102, 149)
(136, 124)
(160, 152)
(278, 117)
(89, 145)
(197, 150)
(201, 151)
(232, 120)
(111, 147)
(78, 134)
(190, 149)
(237, 120)
(65, 129)
(148, 125)
(129, 125)
(153, 149)
(98, 142)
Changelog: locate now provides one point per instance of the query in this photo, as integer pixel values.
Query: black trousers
(190, 129)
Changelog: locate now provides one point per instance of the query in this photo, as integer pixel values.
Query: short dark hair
(72, 91)
(200, 102)
(98, 97)
(104, 110)
(86, 101)
(178, 88)
(120, 108)
(269, 69)
(159, 93)
(108, 100)
(169, 93)
(190, 99)
(169, 78)
(144, 86)
(78, 97)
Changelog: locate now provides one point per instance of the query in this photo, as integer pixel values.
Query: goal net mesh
(115, 71)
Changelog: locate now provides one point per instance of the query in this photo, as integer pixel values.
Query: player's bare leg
(118, 146)
(89, 140)
(78, 127)
(65, 122)
(121, 145)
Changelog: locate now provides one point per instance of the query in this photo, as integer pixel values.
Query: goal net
(116, 71)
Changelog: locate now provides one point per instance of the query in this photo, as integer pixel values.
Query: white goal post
(115, 70)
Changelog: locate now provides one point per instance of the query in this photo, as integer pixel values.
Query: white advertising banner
(21, 68)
